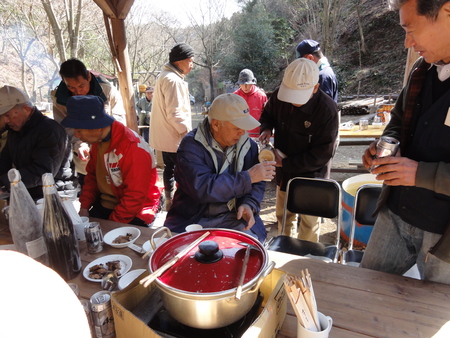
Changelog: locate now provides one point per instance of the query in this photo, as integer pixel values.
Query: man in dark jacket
(220, 183)
(306, 125)
(35, 144)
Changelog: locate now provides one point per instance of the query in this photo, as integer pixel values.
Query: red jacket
(256, 99)
(132, 175)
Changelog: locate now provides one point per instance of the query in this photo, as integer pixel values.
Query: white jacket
(171, 110)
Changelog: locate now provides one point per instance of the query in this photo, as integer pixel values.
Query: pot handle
(263, 275)
(167, 233)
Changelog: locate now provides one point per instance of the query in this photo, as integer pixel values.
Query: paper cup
(193, 227)
(79, 228)
(326, 323)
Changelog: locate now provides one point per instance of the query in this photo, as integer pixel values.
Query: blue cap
(86, 112)
(307, 47)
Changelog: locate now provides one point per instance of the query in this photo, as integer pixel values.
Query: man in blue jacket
(220, 183)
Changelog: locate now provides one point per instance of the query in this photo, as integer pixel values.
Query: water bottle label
(36, 248)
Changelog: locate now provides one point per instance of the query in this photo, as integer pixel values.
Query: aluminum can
(386, 146)
(87, 310)
(94, 237)
(102, 315)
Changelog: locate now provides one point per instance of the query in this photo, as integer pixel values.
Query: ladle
(248, 246)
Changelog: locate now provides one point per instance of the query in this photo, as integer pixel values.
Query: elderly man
(78, 81)
(310, 50)
(254, 96)
(121, 178)
(35, 144)
(415, 201)
(171, 111)
(306, 124)
(220, 182)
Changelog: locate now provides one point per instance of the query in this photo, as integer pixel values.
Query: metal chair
(365, 203)
(316, 197)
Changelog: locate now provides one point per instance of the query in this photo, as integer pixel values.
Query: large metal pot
(199, 290)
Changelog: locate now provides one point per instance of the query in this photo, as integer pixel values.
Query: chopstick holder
(158, 272)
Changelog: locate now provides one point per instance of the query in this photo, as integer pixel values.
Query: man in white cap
(220, 182)
(306, 125)
(35, 144)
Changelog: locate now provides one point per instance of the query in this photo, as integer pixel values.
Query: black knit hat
(180, 52)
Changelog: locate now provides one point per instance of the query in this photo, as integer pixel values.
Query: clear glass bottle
(59, 234)
(25, 221)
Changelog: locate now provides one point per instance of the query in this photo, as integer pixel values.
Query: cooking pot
(199, 289)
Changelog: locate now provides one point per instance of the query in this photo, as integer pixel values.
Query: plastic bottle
(59, 234)
(25, 221)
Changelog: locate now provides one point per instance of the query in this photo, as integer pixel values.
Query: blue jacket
(202, 193)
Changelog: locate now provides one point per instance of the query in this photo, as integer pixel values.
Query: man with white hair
(306, 124)
(220, 182)
(35, 144)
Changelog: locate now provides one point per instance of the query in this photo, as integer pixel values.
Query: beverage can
(386, 146)
(94, 237)
(102, 315)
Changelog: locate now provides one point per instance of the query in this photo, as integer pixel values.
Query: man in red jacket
(120, 184)
(254, 96)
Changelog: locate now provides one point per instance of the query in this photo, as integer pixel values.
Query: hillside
(380, 71)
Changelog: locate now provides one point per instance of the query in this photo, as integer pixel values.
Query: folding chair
(365, 203)
(316, 197)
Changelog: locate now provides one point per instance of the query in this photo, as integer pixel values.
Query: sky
(179, 8)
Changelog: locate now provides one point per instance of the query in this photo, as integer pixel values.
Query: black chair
(316, 197)
(365, 203)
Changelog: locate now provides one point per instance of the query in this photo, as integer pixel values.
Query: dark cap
(307, 47)
(180, 51)
(246, 77)
(86, 112)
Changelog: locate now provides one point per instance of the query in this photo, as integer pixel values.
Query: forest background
(361, 38)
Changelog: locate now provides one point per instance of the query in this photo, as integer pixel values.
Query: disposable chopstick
(299, 305)
(313, 299)
(158, 272)
(309, 299)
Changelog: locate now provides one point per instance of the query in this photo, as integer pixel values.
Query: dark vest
(423, 208)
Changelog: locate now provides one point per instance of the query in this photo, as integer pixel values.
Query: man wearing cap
(144, 108)
(220, 182)
(76, 81)
(35, 144)
(254, 96)
(171, 111)
(310, 50)
(120, 184)
(306, 124)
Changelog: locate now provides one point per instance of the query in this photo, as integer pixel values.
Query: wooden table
(367, 303)
(88, 288)
(371, 132)
(362, 303)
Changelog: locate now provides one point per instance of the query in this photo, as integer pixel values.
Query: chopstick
(151, 248)
(301, 295)
(238, 294)
(158, 272)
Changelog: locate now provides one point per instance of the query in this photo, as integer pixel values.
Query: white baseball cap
(299, 80)
(10, 97)
(233, 108)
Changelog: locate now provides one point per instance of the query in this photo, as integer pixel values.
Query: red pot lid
(192, 274)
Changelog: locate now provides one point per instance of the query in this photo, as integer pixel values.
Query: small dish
(125, 265)
(123, 231)
(130, 277)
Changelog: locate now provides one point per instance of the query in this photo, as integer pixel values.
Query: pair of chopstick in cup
(301, 294)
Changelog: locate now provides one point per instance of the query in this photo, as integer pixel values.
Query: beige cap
(299, 80)
(233, 108)
(10, 97)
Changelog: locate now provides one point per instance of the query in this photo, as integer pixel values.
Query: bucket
(349, 187)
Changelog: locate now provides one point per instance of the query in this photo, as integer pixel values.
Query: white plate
(122, 231)
(125, 265)
(158, 241)
(129, 277)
